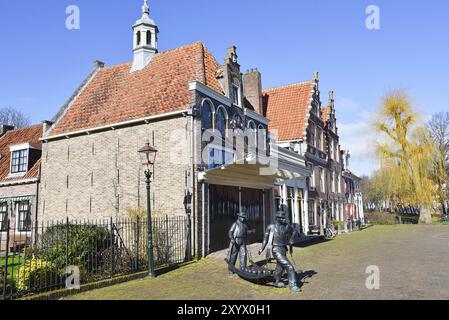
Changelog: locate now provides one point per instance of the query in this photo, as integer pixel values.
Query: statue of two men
(279, 236)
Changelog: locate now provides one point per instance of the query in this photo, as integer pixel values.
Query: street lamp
(148, 157)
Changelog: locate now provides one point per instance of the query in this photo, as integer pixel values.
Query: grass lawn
(14, 264)
(336, 270)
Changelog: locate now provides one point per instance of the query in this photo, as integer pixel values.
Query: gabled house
(20, 158)
(354, 210)
(189, 107)
(305, 127)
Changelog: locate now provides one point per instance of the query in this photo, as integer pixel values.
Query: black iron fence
(47, 256)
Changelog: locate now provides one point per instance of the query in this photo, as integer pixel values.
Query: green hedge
(84, 244)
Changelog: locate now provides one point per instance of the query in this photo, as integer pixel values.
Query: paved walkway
(413, 262)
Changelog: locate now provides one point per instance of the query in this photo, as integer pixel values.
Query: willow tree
(407, 154)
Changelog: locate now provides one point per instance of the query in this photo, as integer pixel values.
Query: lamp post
(148, 157)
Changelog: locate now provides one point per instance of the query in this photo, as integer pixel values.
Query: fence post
(189, 240)
(5, 280)
(137, 242)
(112, 248)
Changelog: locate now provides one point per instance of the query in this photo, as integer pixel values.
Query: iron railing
(43, 258)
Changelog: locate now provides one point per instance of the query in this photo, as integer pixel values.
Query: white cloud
(360, 138)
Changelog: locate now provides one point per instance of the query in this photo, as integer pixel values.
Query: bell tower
(145, 33)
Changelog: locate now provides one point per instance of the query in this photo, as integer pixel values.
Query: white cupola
(145, 39)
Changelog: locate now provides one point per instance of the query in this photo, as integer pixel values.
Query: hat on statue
(242, 215)
(281, 214)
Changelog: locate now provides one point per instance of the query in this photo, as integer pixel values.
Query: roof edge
(287, 86)
(62, 111)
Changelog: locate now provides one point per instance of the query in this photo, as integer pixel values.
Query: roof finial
(145, 8)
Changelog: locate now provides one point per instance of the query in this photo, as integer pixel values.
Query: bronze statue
(279, 236)
(238, 236)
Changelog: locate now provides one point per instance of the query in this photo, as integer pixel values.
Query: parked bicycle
(330, 233)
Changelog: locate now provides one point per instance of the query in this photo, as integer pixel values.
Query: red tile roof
(116, 95)
(27, 135)
(287, 108)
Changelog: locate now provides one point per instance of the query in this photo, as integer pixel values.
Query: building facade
(20, 157)
(306, 127)
(215, 156)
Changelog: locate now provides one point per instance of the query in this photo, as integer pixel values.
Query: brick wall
(99, 176)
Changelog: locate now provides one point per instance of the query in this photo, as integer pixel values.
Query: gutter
(114, 126)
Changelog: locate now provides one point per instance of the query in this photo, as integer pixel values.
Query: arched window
(148, 37)
(221, 121)
(139, 38)
(207, 114)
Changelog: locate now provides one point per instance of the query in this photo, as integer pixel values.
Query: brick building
(173, 100)
(20, 157)
(306, 127)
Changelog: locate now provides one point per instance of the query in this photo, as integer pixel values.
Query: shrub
(122, 260)
(84, 244)
(37, 275)
(2, 278)
(381, 218)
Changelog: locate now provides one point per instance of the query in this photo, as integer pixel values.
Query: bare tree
(438, 127)
(14, 117)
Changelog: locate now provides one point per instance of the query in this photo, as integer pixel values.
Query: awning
(252, 175)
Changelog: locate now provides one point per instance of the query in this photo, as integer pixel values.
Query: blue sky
(42, 62)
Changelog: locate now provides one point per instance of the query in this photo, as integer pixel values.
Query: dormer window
(19, 161)
(23, 157)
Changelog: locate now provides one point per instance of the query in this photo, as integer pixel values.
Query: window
(139, 38)
(19, 161)
(312, 177)
(277, 197)
(148, 37)
(206, 115)
(333, 181)
(312, 135)
(221, 121)
(319, 139)
(24, 216)
(339, 183)
(336, 152)
(331, 149)
(311, 210)
(3, 216)
(322, 180)
(263, 144)
(236, 95)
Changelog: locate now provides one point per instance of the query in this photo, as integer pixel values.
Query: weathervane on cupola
(145, 39)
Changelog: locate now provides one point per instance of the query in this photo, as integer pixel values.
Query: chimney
(252, 89)
(46, 125)
(98, 64)
(5, 128)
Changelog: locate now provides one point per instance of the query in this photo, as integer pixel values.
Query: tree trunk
(426, 216)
